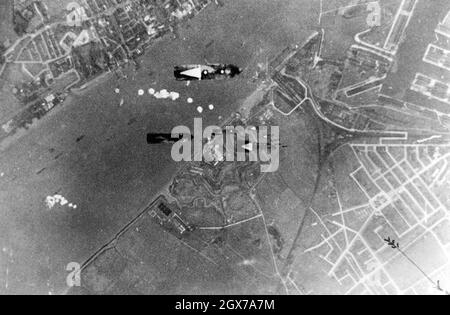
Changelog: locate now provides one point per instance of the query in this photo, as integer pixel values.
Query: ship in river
(206, 72)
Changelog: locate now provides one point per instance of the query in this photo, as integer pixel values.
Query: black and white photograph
(227, 155)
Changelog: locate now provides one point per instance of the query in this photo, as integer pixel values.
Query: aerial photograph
(217, 148)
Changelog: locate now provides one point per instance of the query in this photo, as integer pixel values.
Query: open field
(58, 8)
(6, 22)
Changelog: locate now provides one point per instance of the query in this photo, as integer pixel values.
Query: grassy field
(57, 8)
(8, 103)
(6, 22)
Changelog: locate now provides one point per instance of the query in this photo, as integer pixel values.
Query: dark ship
(206, 72)
(163, 138)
